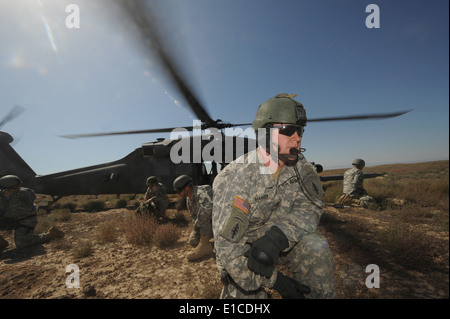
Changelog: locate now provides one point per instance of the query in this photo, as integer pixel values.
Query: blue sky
(235, 54)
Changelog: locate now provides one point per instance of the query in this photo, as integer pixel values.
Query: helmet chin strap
(288, 159)
(291, 158)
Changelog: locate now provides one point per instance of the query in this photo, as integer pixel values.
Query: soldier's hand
(264, 252)
(290, 288)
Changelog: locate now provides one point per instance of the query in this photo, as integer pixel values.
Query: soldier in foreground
(199, 204)
(267, 205)
(18, 212)
(354, 192)
(155, 199)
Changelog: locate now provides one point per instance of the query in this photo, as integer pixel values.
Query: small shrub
(45, 221)
(70, 205)
(121, 203)
(82, 249)
(63, 215)
(94, 206)
(166, 235)
(140, 230)
(107, 232)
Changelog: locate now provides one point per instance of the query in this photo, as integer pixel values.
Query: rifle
(340, 206)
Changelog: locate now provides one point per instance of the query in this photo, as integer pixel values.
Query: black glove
(290, 288)
(264, 252)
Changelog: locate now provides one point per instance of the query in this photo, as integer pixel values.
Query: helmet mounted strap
(288, 159)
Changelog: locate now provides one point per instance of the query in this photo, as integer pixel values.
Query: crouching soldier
(354, 192)
(199, 203)
(155, 199)
(18, 212)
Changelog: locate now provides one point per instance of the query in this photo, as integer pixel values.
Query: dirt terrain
(113, 270)
(124, 271)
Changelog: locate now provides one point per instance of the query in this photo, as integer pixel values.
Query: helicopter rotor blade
(142, 17)
(13, 113)
(225, 125)
(337, 118)
(358, 117)
(158, 130)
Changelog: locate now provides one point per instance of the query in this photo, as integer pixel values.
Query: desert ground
(119, 269)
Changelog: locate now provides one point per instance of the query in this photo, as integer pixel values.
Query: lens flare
(49, 32)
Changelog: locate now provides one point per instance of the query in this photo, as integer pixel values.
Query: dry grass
(107, 232)
(45, 221)
(406, 236)
(166, 235)
(409, 241)
(147, 230)
(140, 230)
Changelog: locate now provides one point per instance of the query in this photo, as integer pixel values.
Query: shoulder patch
(235, 227)
(241, 204)
(311, 183)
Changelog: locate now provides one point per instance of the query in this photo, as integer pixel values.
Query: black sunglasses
(290, 129)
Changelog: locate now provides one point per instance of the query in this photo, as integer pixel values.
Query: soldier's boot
(194, 238)
(55, 233)
(204, 248)
(3, 244)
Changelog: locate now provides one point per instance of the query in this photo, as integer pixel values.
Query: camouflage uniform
(248, 201)
(160, 200)
(18, 212)
(354, 192)
(200, 207)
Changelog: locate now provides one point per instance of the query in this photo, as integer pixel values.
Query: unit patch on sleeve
(237, 222)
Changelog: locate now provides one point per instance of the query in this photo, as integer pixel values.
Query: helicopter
(128, 175)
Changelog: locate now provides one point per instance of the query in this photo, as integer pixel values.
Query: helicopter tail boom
(12, 163)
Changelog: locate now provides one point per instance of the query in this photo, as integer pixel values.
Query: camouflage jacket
(19, 206)
(248, 200)
(159, 194)
(353, 183)
(200, 206)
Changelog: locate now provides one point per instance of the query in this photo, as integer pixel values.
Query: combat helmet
(152, 180)
(10, 181)
(280, 109)
(181, 182)
(359, 162)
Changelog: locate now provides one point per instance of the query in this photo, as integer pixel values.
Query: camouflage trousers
(24, 237)
(311, 264)
(355, 202)
(348, 200)
(24, 234)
